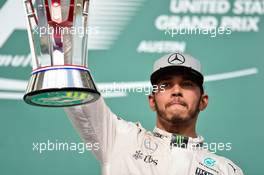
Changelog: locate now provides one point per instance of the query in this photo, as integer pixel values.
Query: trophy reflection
(57, 32)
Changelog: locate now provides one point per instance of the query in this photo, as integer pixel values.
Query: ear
(204, 102)
(151, 100)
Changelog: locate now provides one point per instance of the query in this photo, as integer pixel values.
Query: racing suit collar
(176, 140)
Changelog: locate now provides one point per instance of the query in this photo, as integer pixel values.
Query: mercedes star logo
(176, 58)
(150, 145)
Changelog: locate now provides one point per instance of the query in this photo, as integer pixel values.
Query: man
(173, 148)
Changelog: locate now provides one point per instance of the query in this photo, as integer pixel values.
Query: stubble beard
(178, 118)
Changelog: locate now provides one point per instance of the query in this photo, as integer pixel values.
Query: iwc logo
(176, 58)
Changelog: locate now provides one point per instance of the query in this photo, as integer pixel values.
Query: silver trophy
(57, 32)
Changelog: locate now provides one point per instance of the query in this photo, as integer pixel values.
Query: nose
(176, 91)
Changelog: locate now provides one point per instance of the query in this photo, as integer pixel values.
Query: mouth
(177, 102)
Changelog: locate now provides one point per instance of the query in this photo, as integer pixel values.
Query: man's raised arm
(95, 123)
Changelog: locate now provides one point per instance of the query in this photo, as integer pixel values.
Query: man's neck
(182, 128)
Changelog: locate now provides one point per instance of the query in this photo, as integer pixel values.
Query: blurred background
(128, 37)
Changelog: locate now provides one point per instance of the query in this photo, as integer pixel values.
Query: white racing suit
(126, 148)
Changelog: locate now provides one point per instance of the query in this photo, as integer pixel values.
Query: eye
(165, 85)
(187, 84)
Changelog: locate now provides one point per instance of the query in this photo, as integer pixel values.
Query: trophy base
(61, 87)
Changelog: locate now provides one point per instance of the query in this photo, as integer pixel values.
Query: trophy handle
(31, 23)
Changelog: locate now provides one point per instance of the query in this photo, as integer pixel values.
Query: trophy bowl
(60, 75)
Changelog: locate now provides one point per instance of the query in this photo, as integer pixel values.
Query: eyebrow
(188, 77)
(166, 78)
(184, 77)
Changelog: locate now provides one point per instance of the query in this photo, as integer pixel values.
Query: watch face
(60, 98)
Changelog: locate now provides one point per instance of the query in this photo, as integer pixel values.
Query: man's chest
(152, 157)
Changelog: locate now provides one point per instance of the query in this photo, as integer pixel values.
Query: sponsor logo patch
(200, 171)
(146, 158)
